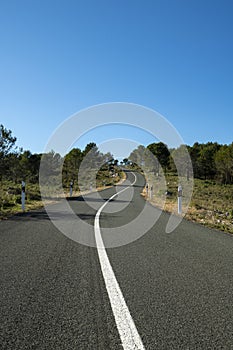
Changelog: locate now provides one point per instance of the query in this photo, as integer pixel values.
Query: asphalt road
(177, 286)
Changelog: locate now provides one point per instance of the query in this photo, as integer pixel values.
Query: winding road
(156, 291)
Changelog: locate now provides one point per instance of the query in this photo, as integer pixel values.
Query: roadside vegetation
(16, 165)
(211, 203)
(211, 166)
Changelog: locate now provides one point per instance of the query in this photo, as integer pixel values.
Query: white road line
(130, 338)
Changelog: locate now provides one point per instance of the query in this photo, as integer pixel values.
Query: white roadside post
(91, 187)
(151, 191)
(23, 196)
(147, 188)
(179, 199)
(71, 188)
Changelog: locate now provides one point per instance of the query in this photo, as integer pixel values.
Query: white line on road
(130, 338)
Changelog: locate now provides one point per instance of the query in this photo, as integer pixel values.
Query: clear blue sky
(60, 56)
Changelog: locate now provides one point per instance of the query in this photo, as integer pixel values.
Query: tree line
(211, 160)
(17, 164)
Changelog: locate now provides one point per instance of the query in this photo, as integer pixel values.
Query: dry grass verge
(10, 195)
(211, 203)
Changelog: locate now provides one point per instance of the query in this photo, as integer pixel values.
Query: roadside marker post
(71, 188)
(151, 191)
(179, 199)
(91, 187)
(23, 196)
(147, 188)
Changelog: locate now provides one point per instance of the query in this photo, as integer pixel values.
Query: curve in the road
(129, 335)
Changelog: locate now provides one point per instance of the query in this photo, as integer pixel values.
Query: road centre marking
(130, 338)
